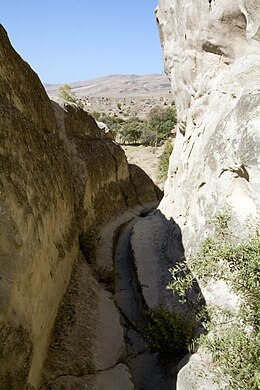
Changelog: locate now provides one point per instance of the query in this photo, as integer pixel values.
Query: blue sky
(71, 40)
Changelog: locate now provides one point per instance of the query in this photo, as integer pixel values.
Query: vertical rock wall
(211, 52)
(37, 248)
(59, 175)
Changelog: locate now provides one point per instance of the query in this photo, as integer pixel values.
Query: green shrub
(165, 331)
(131, 130)
(235, 340)
(114, 123)
(151, 131)
(164, 159)
(65, 93)
(148, 136)
(96, 115)
(163, 121)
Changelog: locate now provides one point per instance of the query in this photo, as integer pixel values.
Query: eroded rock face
(38, 241)
(212, 56)
(211, 52)
(59, 175)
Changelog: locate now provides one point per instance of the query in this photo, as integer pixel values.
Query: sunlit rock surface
(212, 56)
(59, 176)
(211, 52)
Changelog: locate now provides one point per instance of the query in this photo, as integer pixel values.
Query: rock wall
(59, 175)
(211, 52)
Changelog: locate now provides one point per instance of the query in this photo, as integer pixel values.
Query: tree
(65, 93)
(131, 130)
(162, 121)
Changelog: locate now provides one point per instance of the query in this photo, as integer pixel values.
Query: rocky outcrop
(59, 175)
(211, 52)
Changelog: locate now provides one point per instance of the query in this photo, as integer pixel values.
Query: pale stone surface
(212, 56)
(118, 378)
(108, 345)
(156, 246)
(197, 373)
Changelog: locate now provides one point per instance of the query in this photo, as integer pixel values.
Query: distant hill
(117, 86)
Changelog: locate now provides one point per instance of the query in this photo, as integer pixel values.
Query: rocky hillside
(122, 95)
(118, 86)
(211, 52)
(61, 179)
(213, 61)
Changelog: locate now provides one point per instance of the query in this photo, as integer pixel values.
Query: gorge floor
(150, 370)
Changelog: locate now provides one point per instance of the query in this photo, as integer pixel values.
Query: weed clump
(234, 337)
(166, 332)
(164, 160)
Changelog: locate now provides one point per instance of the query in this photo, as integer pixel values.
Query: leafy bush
(163, 121)
(151, 131)
(164, 160)
(148, 136)
(131, 130)
(235, 340)
(96, 115)
(66, 94)
(114, 123)
(165, 331)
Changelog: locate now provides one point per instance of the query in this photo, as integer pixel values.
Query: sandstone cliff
(59, 175)
(211, 52)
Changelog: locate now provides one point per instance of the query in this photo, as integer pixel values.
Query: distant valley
(120, 95)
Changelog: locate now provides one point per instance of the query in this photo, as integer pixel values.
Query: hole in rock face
(211, 48)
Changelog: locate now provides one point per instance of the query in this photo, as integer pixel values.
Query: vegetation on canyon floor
(151, 131)
(154, 131)
(233, 341)
(166, 331)
(132, 130)
(164, 159)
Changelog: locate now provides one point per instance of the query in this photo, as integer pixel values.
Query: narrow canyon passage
(148, 367)
(86, 237)
(145, 365)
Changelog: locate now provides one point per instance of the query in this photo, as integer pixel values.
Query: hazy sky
(71, 40)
